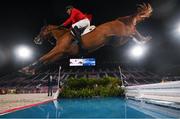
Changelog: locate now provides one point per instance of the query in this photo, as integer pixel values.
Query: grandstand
(22, 83)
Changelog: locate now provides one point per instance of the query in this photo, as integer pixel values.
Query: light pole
(58, 85)
(137, 51)
(23, 52)
(120, 72)
(59, 77)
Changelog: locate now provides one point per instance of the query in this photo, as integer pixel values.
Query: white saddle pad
(88, 29)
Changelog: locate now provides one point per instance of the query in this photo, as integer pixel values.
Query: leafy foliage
(82, 87)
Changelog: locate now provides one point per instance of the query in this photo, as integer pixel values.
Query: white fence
(167, 92)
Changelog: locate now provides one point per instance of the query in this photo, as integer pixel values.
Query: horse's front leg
(51, 55)
(42, 60)
(138, 38)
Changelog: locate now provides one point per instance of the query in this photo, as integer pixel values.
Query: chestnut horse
(122, 27)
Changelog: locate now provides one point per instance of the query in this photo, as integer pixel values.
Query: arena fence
(166, 93)
(22, 90)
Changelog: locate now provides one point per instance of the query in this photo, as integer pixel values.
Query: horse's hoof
(27, 70)
(148, 38)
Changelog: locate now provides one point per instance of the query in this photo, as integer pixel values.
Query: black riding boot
(77, 33)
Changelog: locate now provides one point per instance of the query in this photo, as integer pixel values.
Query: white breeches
(82, 23)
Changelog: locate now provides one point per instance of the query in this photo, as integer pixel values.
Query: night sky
(20, 22)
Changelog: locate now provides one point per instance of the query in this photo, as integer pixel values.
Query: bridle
(58, 27)
(38, 39)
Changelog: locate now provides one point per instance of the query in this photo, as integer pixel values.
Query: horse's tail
(143, 11)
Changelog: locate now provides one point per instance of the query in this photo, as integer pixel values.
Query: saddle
(77, 36)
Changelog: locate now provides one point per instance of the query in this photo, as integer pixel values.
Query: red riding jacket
(76, 16)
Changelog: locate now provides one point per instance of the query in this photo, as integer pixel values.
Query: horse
(122, 27)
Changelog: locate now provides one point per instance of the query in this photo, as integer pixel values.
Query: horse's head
(45, 33)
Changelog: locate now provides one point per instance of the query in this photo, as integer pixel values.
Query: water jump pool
(95, 108)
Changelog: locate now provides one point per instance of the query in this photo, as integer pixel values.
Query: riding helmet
(69, 7)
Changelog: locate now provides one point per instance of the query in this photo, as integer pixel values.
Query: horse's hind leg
(140, 38)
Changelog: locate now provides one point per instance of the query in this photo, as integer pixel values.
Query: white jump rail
(167, 93)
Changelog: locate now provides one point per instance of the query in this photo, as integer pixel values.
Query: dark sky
(20, 22)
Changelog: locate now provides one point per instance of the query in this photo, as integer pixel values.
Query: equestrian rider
(78, 20)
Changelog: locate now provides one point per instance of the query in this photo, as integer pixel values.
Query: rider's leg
(79, 25)
(82, 23)
(76, 32)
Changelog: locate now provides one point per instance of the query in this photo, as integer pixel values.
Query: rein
(58, 27)
(49, 30)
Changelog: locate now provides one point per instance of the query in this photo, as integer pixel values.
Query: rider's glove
(62, 25)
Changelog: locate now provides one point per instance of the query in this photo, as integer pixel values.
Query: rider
(78, 20)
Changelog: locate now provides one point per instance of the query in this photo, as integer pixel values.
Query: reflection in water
(92, 107)
(58, 108)
(96, 107)
(154, 110)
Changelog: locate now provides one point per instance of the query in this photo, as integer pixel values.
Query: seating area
(38, 83)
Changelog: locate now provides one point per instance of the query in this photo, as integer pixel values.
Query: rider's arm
(67, 22)
(70, 19)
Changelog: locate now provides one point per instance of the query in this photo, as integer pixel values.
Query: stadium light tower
(23, 52)
(137, 51)
(178, 28)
